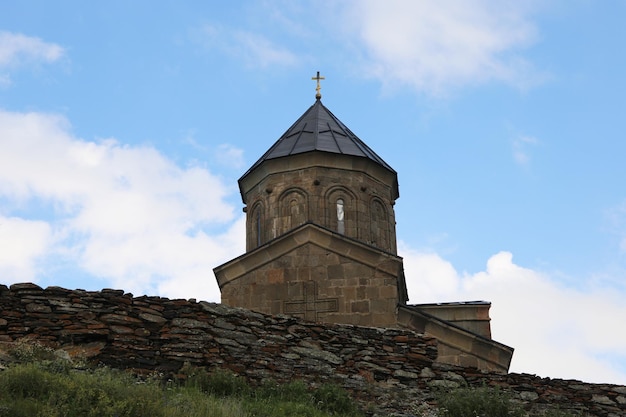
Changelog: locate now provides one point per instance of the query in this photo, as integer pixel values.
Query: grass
(483, 401)
(45, 389)
(487, 402)
(40, 384)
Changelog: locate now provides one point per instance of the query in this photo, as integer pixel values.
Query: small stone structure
(321, 244)
(393, 369)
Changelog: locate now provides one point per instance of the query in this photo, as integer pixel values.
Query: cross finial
(317, 78)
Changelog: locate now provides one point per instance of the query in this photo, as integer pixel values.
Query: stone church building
(321, 244)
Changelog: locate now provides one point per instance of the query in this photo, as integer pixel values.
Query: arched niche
(256, 226)
(293, 209)
(380, 227)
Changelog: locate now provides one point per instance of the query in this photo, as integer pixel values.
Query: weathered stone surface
(119, 319)
(399, 373)
(224, 324)
(443, 383)
(451, 376)
(141, 332)
(66, 306)
(317, 354)
(25, 287)
(38, 308)
(323, 178)
(378, 365)
(152, 318)
(237, 336)
(227, 342)
(297, 283)
(528, 395)
(602, 399)
(121, 329)
(190, 323)
(621, 390)
(87, 350)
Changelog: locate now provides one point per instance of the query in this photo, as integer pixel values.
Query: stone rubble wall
(393, 368)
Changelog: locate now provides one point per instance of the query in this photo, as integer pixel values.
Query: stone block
(275, 276)
(361, 292)
(38, 308)
(373, 294)
(303, 274)
(335, 272)
(362, 306)
(348, 293)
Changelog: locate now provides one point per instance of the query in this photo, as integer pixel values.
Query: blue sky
(124, 127)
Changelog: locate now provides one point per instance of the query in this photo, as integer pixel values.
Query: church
(321, 244)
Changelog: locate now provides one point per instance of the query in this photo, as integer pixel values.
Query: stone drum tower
(320, 229)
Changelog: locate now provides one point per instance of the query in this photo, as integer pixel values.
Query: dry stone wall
(393, 368)
(159, 334)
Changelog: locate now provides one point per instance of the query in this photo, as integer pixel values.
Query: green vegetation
(486, 402)
(557, 412)
(40, 384)
(50, 388)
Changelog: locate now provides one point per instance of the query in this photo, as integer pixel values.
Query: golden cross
(318, 95)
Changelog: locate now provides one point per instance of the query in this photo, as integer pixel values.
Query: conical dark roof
(319, 130)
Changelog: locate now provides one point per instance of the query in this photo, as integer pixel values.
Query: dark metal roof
(319, 130)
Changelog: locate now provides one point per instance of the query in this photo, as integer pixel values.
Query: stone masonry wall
(391, 368)
(293, 195)
(319, 285)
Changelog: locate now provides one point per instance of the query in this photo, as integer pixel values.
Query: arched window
(293, 211)
(257, 220)
(256, 227)
(340, 213)
(379, 226)
(341, 227)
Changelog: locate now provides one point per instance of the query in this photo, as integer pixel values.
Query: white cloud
(254, 49)
(22, 243)
(230, 156)
(521, 152)
(556, 331)
(126, 214)
(437, 46)
(17, 50)
(258, 51)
